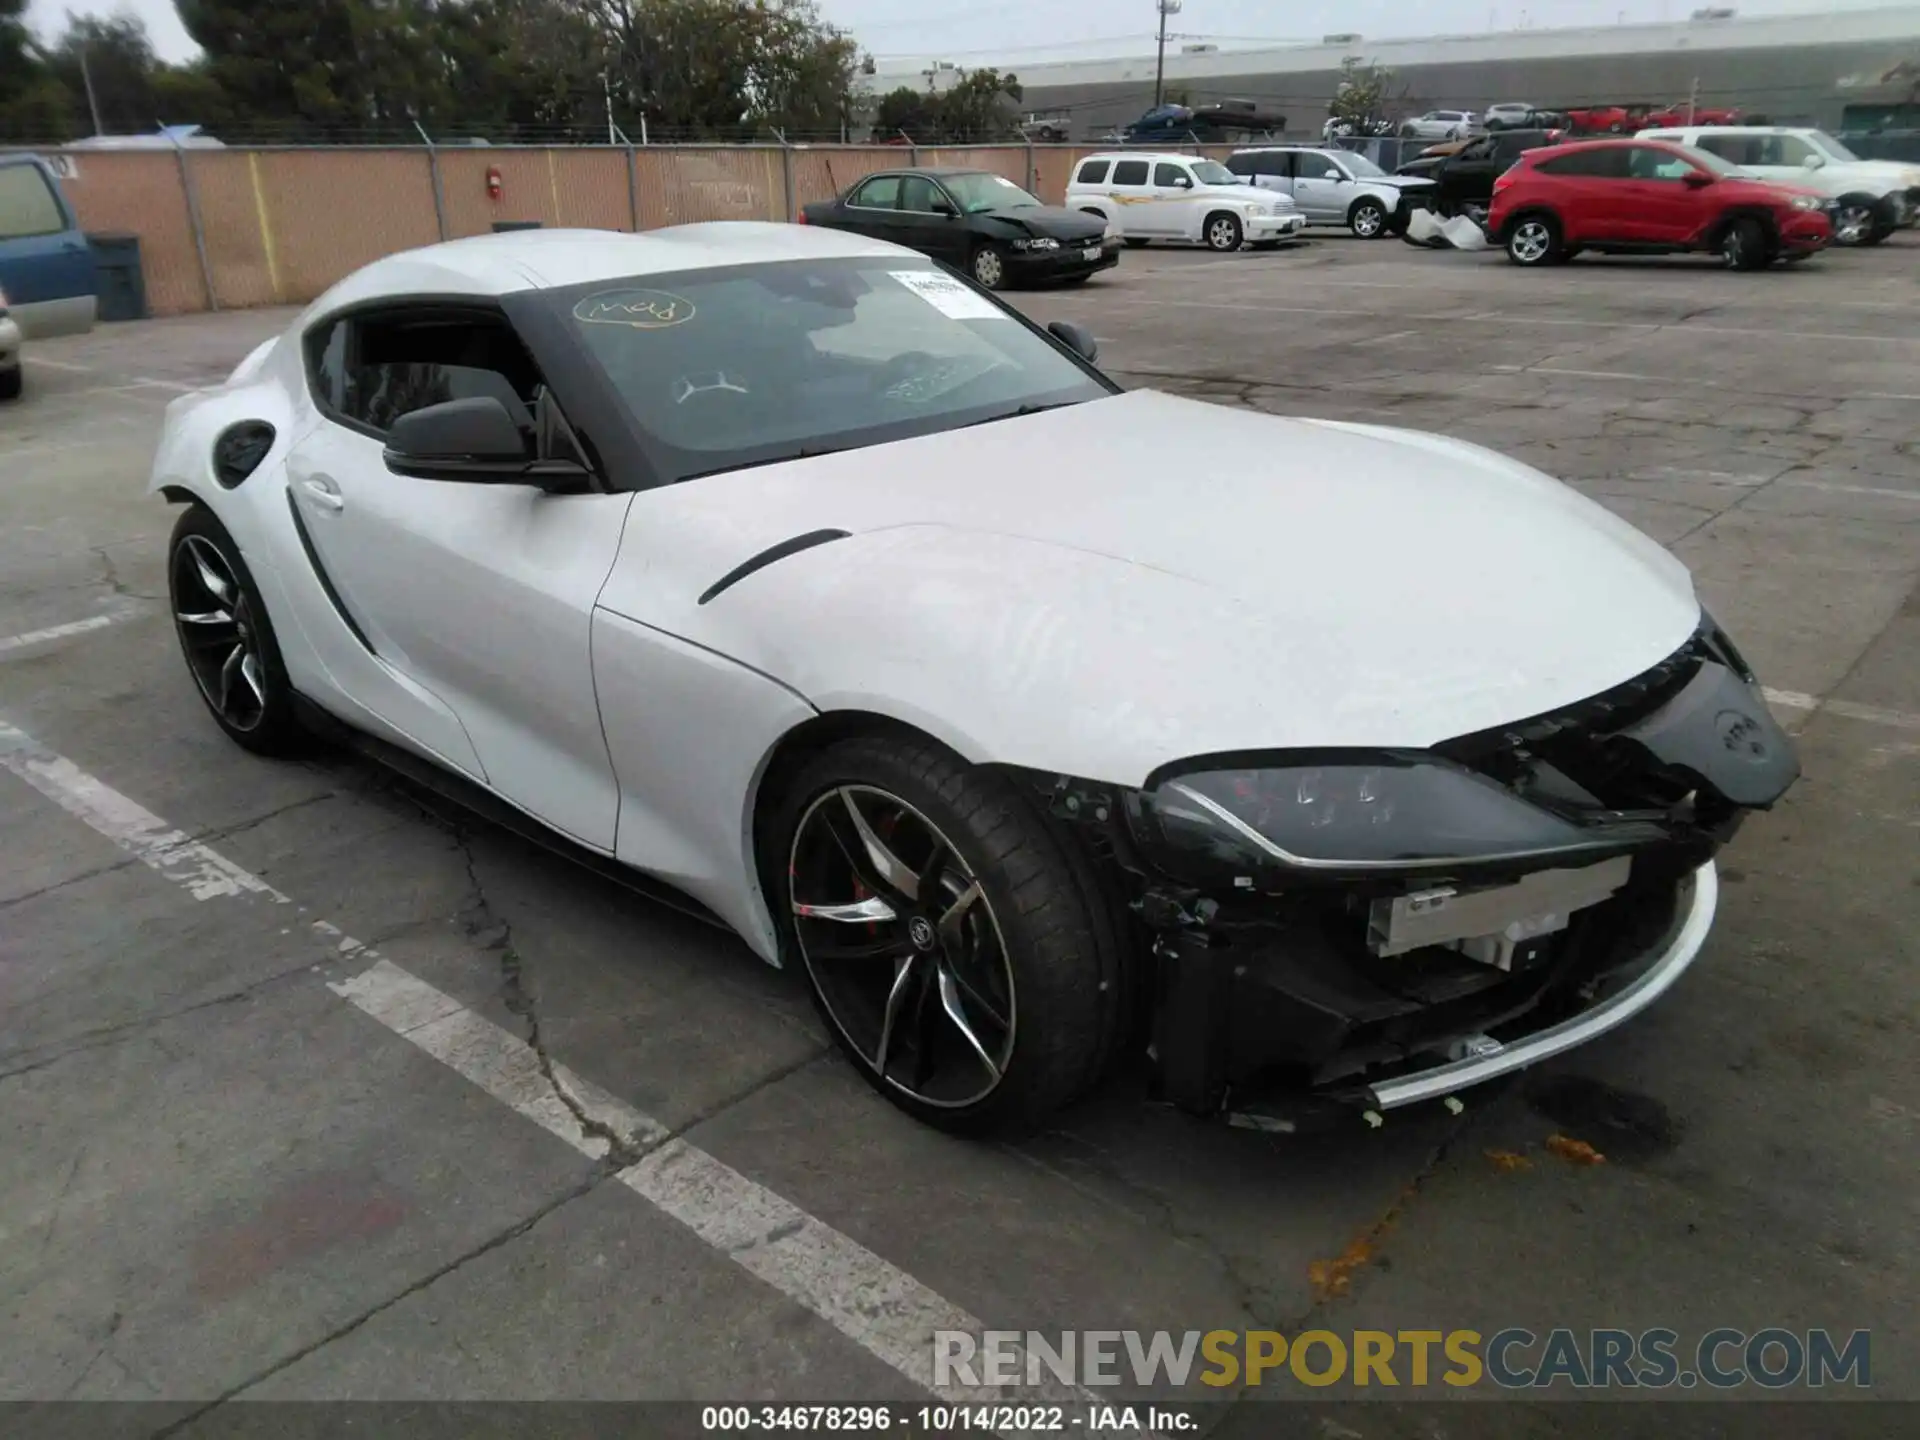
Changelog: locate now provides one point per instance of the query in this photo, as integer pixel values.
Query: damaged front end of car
(1351, 932)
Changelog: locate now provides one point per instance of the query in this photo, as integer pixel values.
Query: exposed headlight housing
(1348, 816)
(1808, 202)
(1038, 242)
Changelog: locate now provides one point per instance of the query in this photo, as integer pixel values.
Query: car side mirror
(474, 440)
(1696, 179)
(1813, 162)
(943, 206)
(1076, 338)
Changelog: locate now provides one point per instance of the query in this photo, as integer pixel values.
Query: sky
(1012, 31)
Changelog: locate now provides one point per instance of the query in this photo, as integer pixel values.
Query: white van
(1148, 196)
(1873, 198)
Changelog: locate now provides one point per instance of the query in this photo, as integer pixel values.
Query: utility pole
(93, 100)
(606, 88)
(1693, 99)
(1167, 7)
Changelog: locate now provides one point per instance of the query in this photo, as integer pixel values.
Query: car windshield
(1212, 172)
(1831, 148)
(977, 192)
(719, 369)
(1360, 165)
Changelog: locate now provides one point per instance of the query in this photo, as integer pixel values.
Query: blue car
(46, 266)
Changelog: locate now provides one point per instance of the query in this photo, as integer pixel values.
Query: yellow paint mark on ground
(1574, 1152)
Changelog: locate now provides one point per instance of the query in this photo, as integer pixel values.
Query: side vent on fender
(239, 451)
(769, 555)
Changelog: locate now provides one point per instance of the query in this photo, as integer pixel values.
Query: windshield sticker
(948, 295)
(636, 309)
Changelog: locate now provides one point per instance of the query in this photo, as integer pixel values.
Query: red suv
(1649, 197)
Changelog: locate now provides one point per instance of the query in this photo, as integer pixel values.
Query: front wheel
(955, 946)
(1856, 221)
(1223, 232)
(1368, 219)
(227, 637)
(989, 267)
(12, 382)
(1744, 246)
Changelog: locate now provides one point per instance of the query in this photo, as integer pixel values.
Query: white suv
(1151, 196)
(1872, 198)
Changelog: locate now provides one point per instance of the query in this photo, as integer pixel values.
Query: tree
(117, 57)
(1360, 99)
(34, 104)
(907, 111)
(979, 106)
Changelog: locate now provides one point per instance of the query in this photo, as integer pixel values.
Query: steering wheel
(708, 382)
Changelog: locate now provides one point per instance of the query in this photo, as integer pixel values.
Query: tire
(989, 266)
(1857, 221)
(1223, 232)
(12, 382)
(1744, 245)
(1039, 938)
(1367, 219)
(1533, 241)
(233, 660)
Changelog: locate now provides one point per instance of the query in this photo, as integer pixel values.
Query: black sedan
(974, 220)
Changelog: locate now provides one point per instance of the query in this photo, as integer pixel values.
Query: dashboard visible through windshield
(717, 369)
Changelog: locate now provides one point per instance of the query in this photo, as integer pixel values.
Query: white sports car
(1039, 722)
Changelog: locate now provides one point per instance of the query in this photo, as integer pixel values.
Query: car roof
(502, 264)
(1140, 155)
(1735, 129)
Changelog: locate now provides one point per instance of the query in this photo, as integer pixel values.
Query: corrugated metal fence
(231, 228)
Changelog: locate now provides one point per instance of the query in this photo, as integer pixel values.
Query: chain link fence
(237, 227)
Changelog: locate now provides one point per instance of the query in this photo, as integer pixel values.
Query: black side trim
(769, 555)
(484, 803)
(326, 581)
(239, 451)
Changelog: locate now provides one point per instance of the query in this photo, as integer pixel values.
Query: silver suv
(1332, 187)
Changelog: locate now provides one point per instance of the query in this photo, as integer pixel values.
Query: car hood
(1055, 221)
(1894, 172)
(1103, 589)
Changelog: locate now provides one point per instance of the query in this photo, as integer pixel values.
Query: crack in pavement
(110, 577)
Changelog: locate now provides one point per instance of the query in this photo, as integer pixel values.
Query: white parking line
(59, 364)
(1848, 709)
(870, 1301)
(27, 640)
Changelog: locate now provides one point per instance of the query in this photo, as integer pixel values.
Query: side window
(327, 365)
(1737, 148)
(880, 193)
(1092, 172)
(1167, 175)
(1277, 162)
(1646, 163)
(1320, 167)
(28, 205)
(1130, 172)
(1592, 164)
(391, 365)
(1787, 150)
(1244, 164)
(917, 194)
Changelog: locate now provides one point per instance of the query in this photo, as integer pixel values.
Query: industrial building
(1855, 69)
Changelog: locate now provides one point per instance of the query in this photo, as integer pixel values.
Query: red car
(1604, 119)
(1649, 197)
(1675, 116)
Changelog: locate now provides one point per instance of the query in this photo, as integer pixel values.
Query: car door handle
(323, 492)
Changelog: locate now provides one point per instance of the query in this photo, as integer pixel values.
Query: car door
(1321, 186)
(1662, 208)
(872, 208)
(930, 221)
(481, 594)
(1173, 210)
(46, 265)
(1132, 192)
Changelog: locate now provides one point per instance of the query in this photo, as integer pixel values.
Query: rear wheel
(12, 382)
(227, 637)
(1367, 219)
(952, 943)
(1744, 246)
(1534, 240)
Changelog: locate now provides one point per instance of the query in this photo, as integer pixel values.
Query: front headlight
(1039, 242)
(1396, 813)
(1808, 202)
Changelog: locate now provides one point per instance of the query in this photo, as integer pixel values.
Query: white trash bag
(1424, 228)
